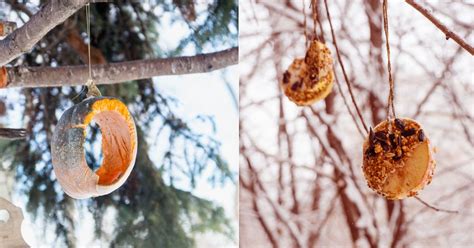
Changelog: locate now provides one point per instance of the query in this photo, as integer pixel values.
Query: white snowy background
(271, 36)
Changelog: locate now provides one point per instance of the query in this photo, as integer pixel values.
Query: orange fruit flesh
(116, 125)
(116, 147)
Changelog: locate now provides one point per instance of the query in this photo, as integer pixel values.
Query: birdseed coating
(386, 150)
(310, 79)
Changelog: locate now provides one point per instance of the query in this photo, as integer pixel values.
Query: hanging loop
(92, 90)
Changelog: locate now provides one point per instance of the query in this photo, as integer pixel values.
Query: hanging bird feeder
(310, 79)
(119, 147)
(398, 160)
(119, 142)
(397, 156)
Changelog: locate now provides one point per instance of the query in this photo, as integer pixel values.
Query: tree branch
(29, 77)
(435, 208)
(442, 27)
(24, 38)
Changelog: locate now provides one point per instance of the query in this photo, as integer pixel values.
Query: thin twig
(442, 27)
(435, 208)
(346, 78)
(304, 26)
(439, 81)
(347, 106)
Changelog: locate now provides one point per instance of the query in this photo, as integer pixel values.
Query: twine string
(92, 90)
(391, 95)
(346, 78)
(88, 21)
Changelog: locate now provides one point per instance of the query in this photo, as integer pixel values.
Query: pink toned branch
(442, 27)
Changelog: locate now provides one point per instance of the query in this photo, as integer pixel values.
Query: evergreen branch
(29, 77)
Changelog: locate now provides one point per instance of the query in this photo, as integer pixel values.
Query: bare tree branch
(23, 39)
(435, 208)
(29, 77)
(442, 27)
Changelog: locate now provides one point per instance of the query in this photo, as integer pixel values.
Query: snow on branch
(29, 77)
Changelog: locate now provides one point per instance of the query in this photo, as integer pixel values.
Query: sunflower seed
(421, 135)
(286, 77)
(295, 86)
(392, 140)
(408, 132)
(381, 135)
(384, 145)
(371, 136)
(399, 124)
(370, 151)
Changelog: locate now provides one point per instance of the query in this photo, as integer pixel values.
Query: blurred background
(301, 183)
(182, 191)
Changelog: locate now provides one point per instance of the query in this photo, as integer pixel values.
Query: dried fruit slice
(319, 60)
(413, 176)
(310, 79)
(119, 147)
(403, 168)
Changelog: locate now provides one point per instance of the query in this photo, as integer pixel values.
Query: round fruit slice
(119, 147)
(398, 161)
(310, 79)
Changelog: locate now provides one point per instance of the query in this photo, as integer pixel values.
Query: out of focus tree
(300, 167)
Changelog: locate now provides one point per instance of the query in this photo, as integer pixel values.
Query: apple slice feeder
(310, 79)
(397, 160)
(119, 147)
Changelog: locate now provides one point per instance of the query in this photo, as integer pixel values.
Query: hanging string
(92, 90)
(346, 78)
(88, 21)
(391, 95)
(304, 25)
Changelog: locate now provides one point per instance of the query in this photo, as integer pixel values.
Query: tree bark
(24, 38)
(29, 77)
